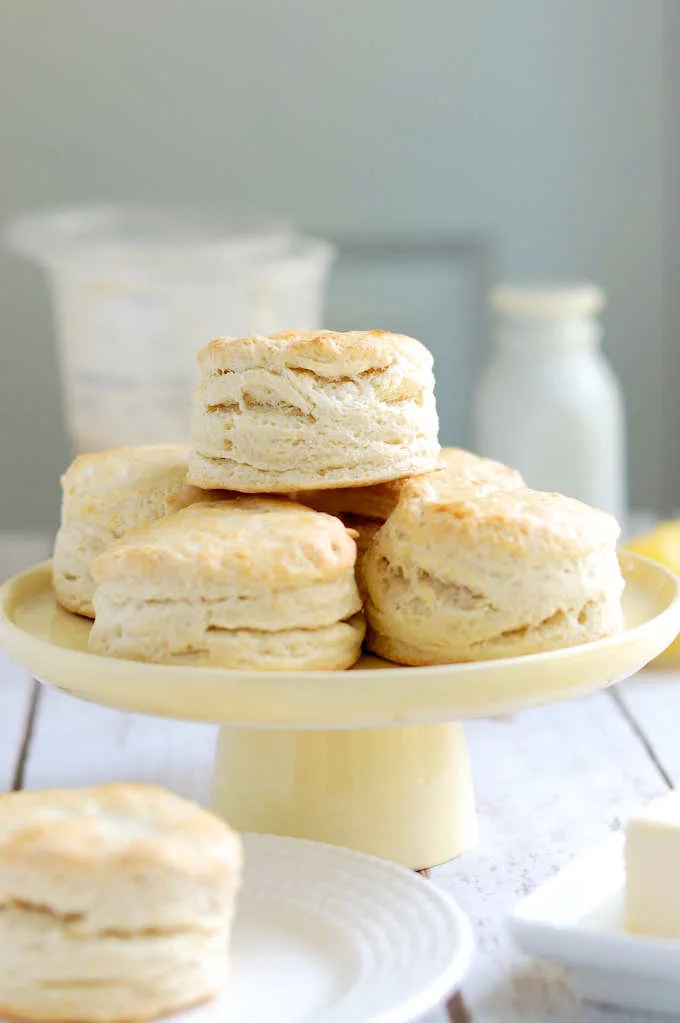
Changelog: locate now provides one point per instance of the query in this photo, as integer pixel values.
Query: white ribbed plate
(326, 935)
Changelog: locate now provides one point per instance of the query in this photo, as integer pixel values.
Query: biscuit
(365, 508)
(379, 501)
(246, 582)
(106, 494)
(455, 575)
(312, 410)
(116, 903)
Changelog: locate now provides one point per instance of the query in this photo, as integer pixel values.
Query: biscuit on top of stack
(312, 410)
(458, 560)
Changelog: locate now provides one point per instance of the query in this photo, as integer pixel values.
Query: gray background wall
(533, 127)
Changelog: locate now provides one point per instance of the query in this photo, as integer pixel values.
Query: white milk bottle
(549, 403)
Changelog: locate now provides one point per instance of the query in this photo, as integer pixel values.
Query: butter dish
(575, 919)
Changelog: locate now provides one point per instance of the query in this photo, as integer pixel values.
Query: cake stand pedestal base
(404, 794)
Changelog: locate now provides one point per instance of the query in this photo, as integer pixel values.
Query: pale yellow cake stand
(366, 758)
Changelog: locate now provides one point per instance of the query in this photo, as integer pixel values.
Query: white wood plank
(15, 692)
(77, 743)
(16, 552)
(436, 1016)
(652, 699)
(551, 783)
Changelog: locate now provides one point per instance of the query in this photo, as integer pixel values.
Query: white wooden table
(550, 784)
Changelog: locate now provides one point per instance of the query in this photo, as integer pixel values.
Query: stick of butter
(652, 899)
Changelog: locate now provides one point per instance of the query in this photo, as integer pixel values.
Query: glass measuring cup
(137, 290)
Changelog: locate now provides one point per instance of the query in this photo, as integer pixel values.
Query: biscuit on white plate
(379, 501)
(458, 576)
(246, 582)
(116, 903)
(105, 495)
(312, 410)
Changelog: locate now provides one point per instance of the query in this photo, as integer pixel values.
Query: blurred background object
(659, 541)
(138, 290)
(440, 146)
(548, 403)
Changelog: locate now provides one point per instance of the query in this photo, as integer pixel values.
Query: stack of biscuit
(313, 507)
(313, 501)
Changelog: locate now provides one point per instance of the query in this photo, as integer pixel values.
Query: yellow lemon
(662, 544)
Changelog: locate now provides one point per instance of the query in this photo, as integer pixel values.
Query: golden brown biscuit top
(122, 826)
(95, 485)
(462, 468)
(329, 354)
(261, 540)
(378, 502)
(519, 520)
